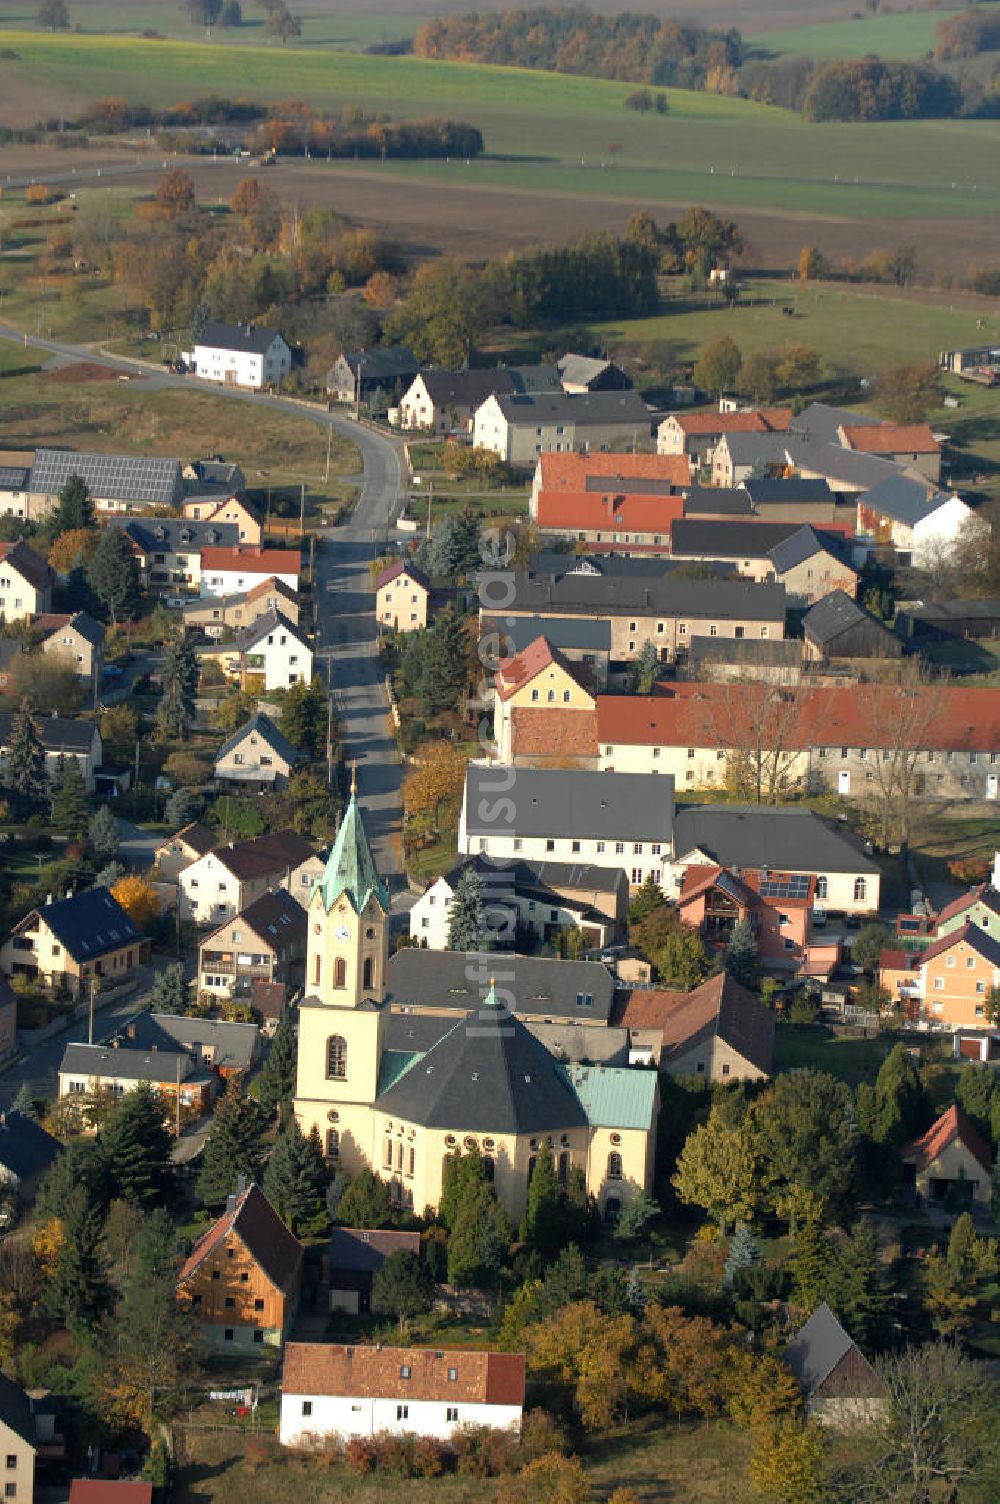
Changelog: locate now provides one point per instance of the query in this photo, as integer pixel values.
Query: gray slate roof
(563, 802)
(581, 370)
(744, 448)
(732, 501)
(179, 534)
(819, 1347)
(586, 407)
(820, 422)
(488, 1074)
(786, 839)
(834, 615)
(117, 477)
(986, 609)
(802, 544)
(844, 467)
(903, 499)
(57, 733)
(25, 1147)
(271, 621)
(248, 339)
(533, 984)
(773, 490)
(15, 1410)
(234, 1044)
(386, 363)
(785, 652)
(103, 1061)
(670, 593)
(276, 918)
(471, 388)
(90, 924)
(561, 632)
(261, 725)
(727, 539)
(88, 628)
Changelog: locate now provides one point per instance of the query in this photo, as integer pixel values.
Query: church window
(489, 1168)
(388, 1153)
(563, 1168)
(532, 1162)
(412, 1161)
(340, 972)
(336, 1057)
(369, 978)
(369, 933)
(399, 1157)
(332, 1143)
(614, 1166)
(316, 966)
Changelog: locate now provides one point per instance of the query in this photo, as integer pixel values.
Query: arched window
(612, 1209)
(489, 1167)
(316, 966)
(333, 1143)
(614, 1165)
(532, 1162)
(860, 890)
(340, 972)
(563, 1168)
(413, 1160)
(399, 1158)
(369, 979)
(336, 1057)
(388, 1153)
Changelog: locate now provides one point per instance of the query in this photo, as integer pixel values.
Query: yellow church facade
(482, 1081)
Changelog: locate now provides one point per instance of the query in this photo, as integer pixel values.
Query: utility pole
(177, 1101)
(90, 1013)
(137, 745)
(267, 519)
(302, 510)
(329, 447)
(430, 498)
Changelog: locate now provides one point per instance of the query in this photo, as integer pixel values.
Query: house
(910, 444)
(698, 434)
(271, 649)
(77, 640)
(838, 627)
(266, 942)
(838, 1382)
(243, 1278)
(564, 815)
(785, 839)
(356, 1256)
(603, 472)
(169, 550)
(950, 1162)
(955, 976)
(746, 543)
(74, 943)
(520, 426)
(397, 1090)
(227, 1049)
(778, 905)
(402, 595)
(361, 375)
(109, 1491)
(445, 401)
(228, 571)
(980, 363)
(217, 616)
(215, 478)
(609, 520)
(790, 498)
(539, 676)
(717, 501)
(180, 850)
(240, 355)
(332, 1391)
(19, 1441)
(577, 640)
(980, 906)
(15, 488)
(116, 482)
(26, 1154)
(588, 373)
(231, 511)
(738, 456)
(62, 737)
(225, 881)
(811, 565)
(25, 583)
(948, 620)
(540, 990)
(8, 1019)
(847, 472)
(820, 423)
(256, 756)
(720, 660)
(718, 1030)
(667, 609)
(182, 1082)
(920, 523)
(548, 897)
(267, 1002)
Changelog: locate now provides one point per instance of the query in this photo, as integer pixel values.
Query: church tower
(341, 1017)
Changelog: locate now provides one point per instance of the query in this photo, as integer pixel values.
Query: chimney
(241, 1185)
(230, 1206)
(130, 1031)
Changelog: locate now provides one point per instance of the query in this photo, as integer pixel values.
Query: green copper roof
(614, 1097)
(351, 867)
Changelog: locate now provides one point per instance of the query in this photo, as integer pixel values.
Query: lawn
(558, 133)
(906, 35)
(851, 1057)
(112, 416)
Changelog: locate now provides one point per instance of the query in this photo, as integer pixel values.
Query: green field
(331, 27)
(560, 133)
(906, 35)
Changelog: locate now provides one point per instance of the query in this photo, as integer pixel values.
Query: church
(401, 1091)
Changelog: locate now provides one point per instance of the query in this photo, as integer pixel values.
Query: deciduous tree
(719, 366)
(139, 900)
(807, 1137)
(403, 1287)
(435, 784)
(102, 835)
(719, 1169)
(175, 192)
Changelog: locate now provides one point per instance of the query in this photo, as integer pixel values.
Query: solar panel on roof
(796, 885)
(122, 477)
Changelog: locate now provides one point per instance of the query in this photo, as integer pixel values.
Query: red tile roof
(50, 621)
(590, 510)
(762, 420)
(484, 1378)
(896, 960)
(402, 567)
(109, 1491)
(271, 586)
(514, 673)
(982, 893)
(971, 935)
(720, 1005)
(250, 560)
(569, 472)
(951, 1125)
(553, 731)
(263, 1234)
(891, 438)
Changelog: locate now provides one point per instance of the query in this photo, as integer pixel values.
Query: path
(345, 601)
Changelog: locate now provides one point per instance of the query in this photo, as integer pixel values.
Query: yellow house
(484, 1082)
(402, 594)
(949, 1160)
(537, 676)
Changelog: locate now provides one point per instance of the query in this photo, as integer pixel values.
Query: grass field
(556, 133)
(903, 35)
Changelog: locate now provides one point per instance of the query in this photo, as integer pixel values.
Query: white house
(227, 571)
(25, 583)
(564, 815)
(328, 1390)
(546, 896)
(520, 426)
(225, 881)
(937, 533)
(61, 737)
(274, 646)
(240, 355)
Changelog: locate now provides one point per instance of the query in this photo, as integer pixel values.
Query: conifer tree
(858, 1292)
(69, 797)
(540, 1226)
(234, 1147)
(743, 1253)
(169, 992)
(277, 1079)
(812, 1265)
(76, 1290)
(180, 809)
(467, 916)
(296, 1179)
(902, 1108)
(479, 1239)
(179, 685)
(113, 575)
(741, 959)
(365, 1202)
(442, 664)
(24, 769)
(137, 1147)
(102, 835)
(75, 509)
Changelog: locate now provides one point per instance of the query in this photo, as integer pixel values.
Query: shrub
(396, 1454)
(361, 1455)
(428, 1457)
(541, 1433)
(38, 193)
(482, 1452)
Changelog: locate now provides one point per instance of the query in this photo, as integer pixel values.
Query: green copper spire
(351, 867)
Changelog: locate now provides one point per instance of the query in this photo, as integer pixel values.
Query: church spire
(351, 866)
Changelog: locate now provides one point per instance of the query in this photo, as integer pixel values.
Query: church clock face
(343, 933)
